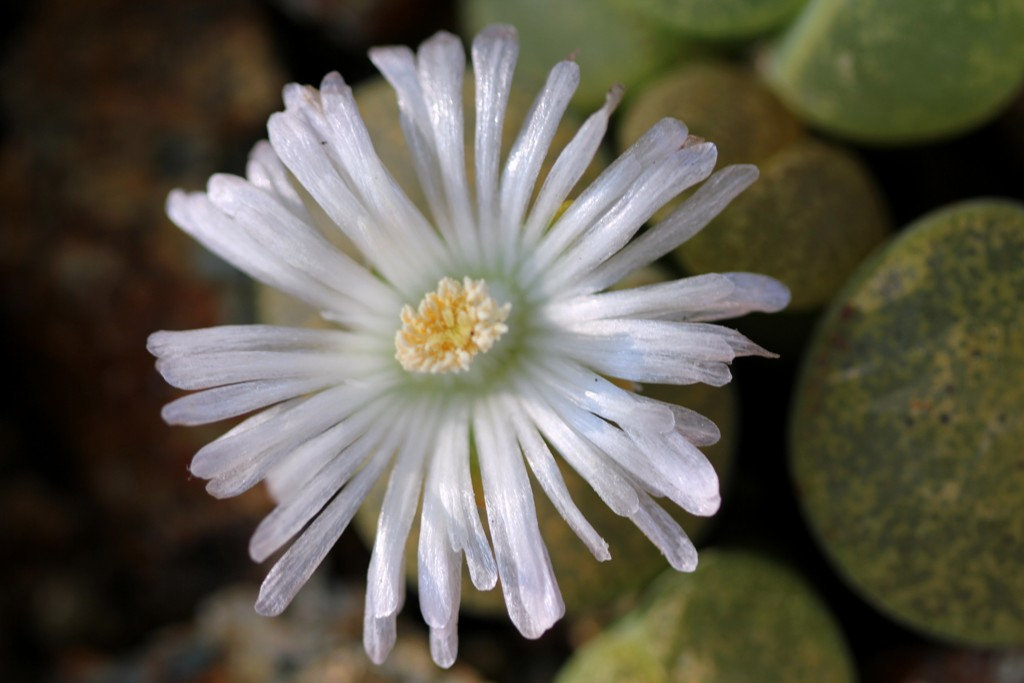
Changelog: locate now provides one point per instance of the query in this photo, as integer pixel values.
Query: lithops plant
(888, 72)
(719, 20)
(740, 617)
(907, 435)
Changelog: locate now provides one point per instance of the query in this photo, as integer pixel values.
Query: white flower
(482, 331)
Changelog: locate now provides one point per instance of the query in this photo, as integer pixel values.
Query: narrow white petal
(612, 442)
(206, 370)
(527, 579)
(438, 564)
(238, 399)
(196, 215)
(596, 394)
(651, 190)
(380, 193)
(441, 63)
(666, 534)
(682, 224)
(331, 459)
(703, 341)
(379, 636)
(656, 350)
(495, 50)
(225, 338)
(751, 292)
(665, 137)
(308, 156)
(569, 167)
(455, 491)
(617, 493)
(289, 479)
(444, 643)
(265, 171)
(694, 427)
(235, 462)
(544, 467)
(272, 225)
(385, 582)
(676, 300)
(299, 562)
(530, 148)
(686, 475)
(398, 66)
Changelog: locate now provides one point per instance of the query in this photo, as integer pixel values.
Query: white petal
(751, 292)
(206, 370)
(569, 167)
(596, 394)
(682, 224)
(647, 351)
(196, 215)
(651, 190)
(438, 564)
(666, 534)
(662, 139)
(543, 465)
(612, 442)
(441, 64)
(495, 50)
(380, 193)
(265, 171)
(530, 148)
(308, 156)
(332, 459)
(527, 579)
(235, 462)
(455, 491)
(694, 427)
(676, 300)
(272, 225)
(244, 338)
(379, 636)
(385, 582)
(295, 567)
(617, 493)
(238, 399)
(687, 477)
(398, 66)
(444, 643)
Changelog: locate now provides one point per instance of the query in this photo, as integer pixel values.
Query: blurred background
(872, 525)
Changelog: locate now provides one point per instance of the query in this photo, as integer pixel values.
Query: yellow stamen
(452, 325)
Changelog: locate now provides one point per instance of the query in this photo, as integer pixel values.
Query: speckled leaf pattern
(907, 436)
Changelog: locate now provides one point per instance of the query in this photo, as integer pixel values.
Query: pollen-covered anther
(452, 325)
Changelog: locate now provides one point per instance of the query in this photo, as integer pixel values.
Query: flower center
(452, 325)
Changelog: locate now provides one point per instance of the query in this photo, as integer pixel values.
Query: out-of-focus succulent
(888, 72)
(907, 436)
(740, 617)
(718, 20)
